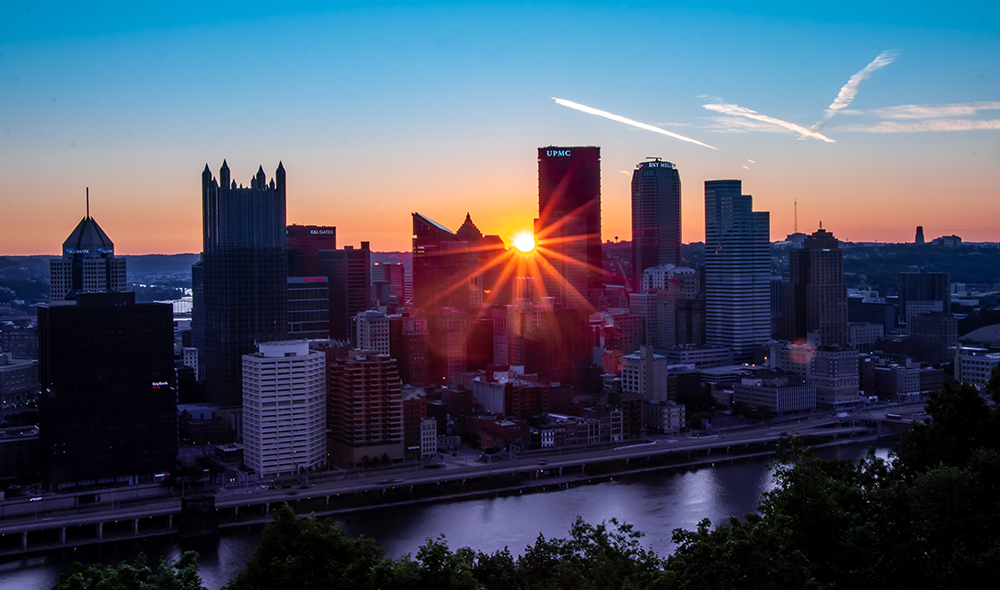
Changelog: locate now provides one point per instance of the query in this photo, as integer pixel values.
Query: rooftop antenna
(88, 202)
(796, 216)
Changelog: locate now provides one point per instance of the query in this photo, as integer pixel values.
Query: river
(656, 503)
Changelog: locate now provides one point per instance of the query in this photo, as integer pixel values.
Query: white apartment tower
(284, 408)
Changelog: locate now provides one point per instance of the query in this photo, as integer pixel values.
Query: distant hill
(155, 264)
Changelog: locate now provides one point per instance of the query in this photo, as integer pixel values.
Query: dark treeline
(929, 517)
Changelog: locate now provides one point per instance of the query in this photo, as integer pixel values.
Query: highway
(463, 466)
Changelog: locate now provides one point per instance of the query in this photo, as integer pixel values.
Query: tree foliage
(181, 575)
(927, 518)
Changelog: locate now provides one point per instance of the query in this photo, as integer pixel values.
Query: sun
(524, 242)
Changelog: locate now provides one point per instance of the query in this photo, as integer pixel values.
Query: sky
(873, 119)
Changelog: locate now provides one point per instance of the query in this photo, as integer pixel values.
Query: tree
(435, 568)
(305, 553)
(608, 555)
(960, 423)
(181, 575)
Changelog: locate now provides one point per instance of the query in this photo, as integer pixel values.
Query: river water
(655, 503)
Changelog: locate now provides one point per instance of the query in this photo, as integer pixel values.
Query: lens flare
(524, 242)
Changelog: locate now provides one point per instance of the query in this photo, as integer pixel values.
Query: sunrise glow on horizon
(872, 119)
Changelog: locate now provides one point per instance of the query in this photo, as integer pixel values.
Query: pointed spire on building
(469, 232)
(88, 202)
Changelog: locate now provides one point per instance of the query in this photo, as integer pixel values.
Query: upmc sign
(564, 153)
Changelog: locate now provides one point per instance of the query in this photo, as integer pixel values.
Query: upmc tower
(569, 215)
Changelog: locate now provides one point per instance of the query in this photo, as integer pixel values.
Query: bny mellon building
(737, 270)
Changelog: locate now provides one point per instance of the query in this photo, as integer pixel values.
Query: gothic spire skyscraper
(242, 274)
(656, 216)
(737, 270)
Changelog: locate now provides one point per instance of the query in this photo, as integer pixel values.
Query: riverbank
(504, 481)
(654, 501)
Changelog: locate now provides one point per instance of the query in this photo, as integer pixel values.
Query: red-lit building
(304, 243)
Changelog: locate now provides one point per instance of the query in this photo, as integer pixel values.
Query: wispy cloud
(727, 124)
(848, 91)
(627, 121)
(926, 125)
(738, 111)
(929, 111)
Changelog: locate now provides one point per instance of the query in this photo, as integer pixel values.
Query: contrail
(850, 90)
(627, 121)
(732, 109)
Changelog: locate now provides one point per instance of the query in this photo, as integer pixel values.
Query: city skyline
(439, 108)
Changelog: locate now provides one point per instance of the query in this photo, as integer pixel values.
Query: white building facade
(284, 408)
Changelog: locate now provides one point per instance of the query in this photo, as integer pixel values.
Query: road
(464, 465)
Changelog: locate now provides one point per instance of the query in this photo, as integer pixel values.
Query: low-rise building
(780, 393)
(664, 417)
(428, 438)
(19, 452)
(18, 381)
(975, 365)
(698, 356)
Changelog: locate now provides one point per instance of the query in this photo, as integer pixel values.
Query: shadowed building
(656, 216)
(923, 292)
(88, 264)
(452, 269)
(365, 415)
(350, 277)
(569, 221)
(108, 405)
(304, 243)
(817, 295)
(242, 276)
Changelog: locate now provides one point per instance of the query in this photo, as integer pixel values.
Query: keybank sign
(564, 153)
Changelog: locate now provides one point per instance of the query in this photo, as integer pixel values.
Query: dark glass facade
(443, 265)
(737, 270)
(108, 405)
(244, 271)
(569, 185)
(304, 244)
(308, 307)
(817, 294)
(350, 274)
(656, 216)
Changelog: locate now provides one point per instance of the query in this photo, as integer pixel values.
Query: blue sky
(380, 109)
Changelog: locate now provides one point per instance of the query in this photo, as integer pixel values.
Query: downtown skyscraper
(569, 221)
(817, 295)
(240, 283)
(88, 263)
(737, 270)
(656, 216)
